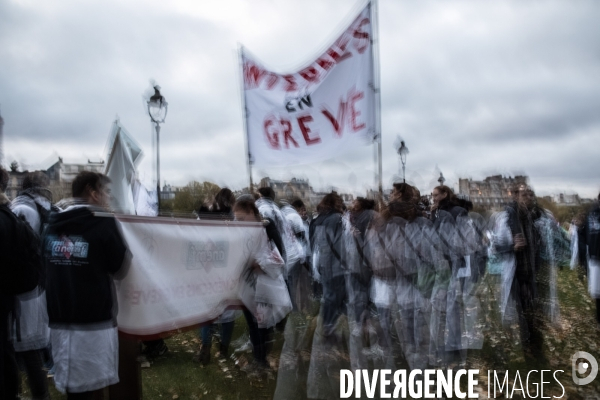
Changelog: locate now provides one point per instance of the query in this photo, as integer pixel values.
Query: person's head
(441, 193)
(36, 182)
(416, 198)
(267, 192)
(3, 179)
(245, 209)
(224, 201)
(402, 192)
(93, 187)
(361, 204)
(524, 195)
(300, 208)
(464, 203)
(332, 202)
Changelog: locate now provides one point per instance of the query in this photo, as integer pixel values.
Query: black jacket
(15, 278)
(82, 253)
(326, 238)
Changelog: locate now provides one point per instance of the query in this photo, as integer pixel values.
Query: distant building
(168, 192)
(299, 189)
(563, 199)
(373, 194)
(492, 193)
(15, 182)
(60, 175)
(289, 190)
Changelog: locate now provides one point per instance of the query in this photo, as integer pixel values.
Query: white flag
(123, 156)
(318, 112)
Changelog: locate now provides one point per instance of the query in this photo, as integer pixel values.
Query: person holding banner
(84, 252)
(221, 209)
(265, 294)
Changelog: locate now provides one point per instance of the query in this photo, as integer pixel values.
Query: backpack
(25, 259)
(42, 212)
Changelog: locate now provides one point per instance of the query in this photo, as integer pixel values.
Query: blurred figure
(529, 285)
(20, 272)
(589, 244)
(83, 254)
(31, 332)
(360, 265)
(220, 209)
(265, 296)
(403, 236)
(299, 329)
(329, 343)
(447, 296)
(472, 232)
(444, 200)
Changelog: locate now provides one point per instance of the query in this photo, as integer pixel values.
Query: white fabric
(121, 171)
(574, 246)
(28, 210)
(382, 292)
(318, 112)
(594, 278)
(297, 226)
(293, 249)
(185, 272)
(146, 203)
(85, 360)
(33, 315)
(33, 321)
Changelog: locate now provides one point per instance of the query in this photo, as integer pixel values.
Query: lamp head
(157, 106)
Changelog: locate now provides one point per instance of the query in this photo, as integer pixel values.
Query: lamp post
(403, 152)
(157, 109)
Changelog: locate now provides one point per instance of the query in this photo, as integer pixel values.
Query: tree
(194, 195)
(14, 166)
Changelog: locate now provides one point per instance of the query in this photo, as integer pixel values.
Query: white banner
(185, 272)
(316, 113)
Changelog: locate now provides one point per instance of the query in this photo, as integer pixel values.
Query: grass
(175, 376)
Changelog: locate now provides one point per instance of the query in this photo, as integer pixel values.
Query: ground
(176, 376)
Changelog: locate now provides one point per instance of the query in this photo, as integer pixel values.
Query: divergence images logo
(67, 247)
(206, 255)
(583, 366)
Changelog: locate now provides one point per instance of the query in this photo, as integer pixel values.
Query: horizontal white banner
(185, 272)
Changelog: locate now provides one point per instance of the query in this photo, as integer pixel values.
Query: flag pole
(245, 117)
(374, 9)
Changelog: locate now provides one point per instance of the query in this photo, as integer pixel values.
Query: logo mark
(206, 255)
(590, 364)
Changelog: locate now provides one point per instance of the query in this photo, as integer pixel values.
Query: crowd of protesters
(371, 285)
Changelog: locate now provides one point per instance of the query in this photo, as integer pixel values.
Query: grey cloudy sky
(474, 88)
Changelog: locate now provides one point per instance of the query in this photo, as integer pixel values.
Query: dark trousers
(9, 375)
(80, 396)
(258, 337)
(32, 363)
(334, 302)
(206, 333)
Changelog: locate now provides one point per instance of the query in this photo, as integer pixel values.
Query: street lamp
(403, 152)
(157, 109)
